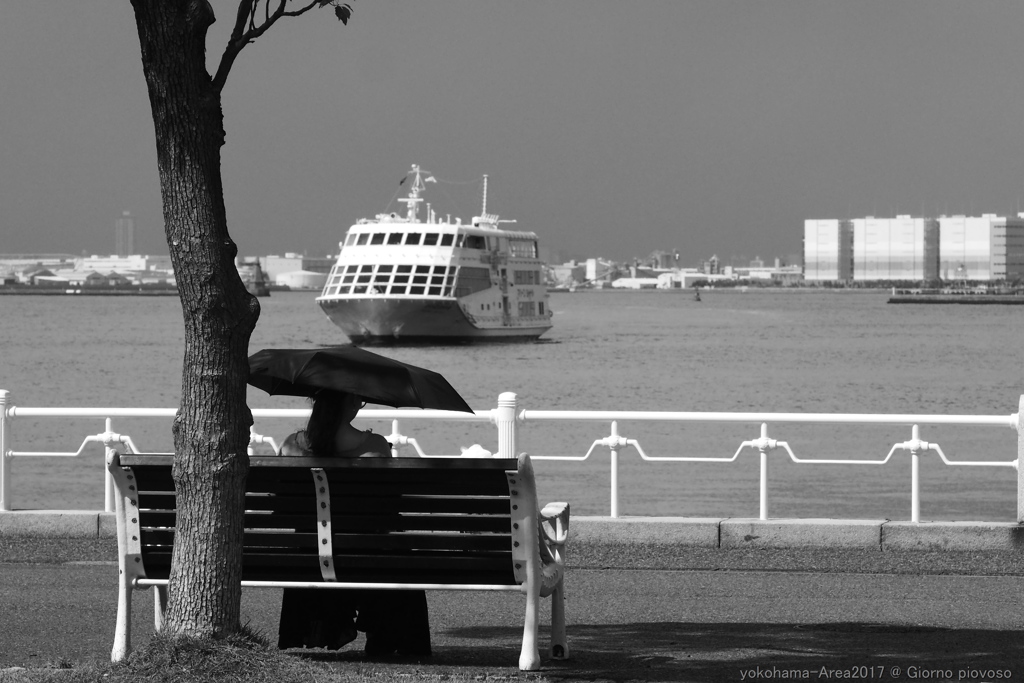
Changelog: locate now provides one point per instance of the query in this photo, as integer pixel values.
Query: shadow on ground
(732, 652)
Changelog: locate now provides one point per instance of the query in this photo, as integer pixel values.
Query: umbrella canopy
(374, 378)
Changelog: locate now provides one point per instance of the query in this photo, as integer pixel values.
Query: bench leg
(529, 658)
(559, 645)
(159, 607)
(123, 627)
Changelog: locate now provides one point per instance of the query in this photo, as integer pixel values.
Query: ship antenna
(483, 211)
(413, 200)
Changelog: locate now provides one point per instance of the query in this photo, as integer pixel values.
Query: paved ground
(807, 616)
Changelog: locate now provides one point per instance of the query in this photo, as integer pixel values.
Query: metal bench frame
(537, 539)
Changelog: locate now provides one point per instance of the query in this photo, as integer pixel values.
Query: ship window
(364, 278)
(384, 269)
(472, 280)
(422, 269)
(540, 306)
(459, 239)
(419, 279)
(527, 277)
(437, 280)
(348, 279)
(382, 277)
(475, 242)
(378, 238)
(523, 248)
(359, 289)
(526, 308)
(435, 291)
(366, 268)
(331, 291)
(440, 270)
(429, 239)
(446, 240)
(404, 269)
(395, 238)
(413, 238)
(415, 290)
(350, 239)
(401, 278)
(398, 289)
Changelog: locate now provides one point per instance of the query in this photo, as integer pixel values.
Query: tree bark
(211, 430)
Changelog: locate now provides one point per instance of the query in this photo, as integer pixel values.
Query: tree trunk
(211, 430)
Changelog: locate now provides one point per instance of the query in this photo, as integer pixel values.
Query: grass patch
(242, 658)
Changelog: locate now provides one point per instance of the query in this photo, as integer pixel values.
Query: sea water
(793, 350)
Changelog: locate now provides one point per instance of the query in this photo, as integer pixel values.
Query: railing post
(5, 461)
(394, 433)
(108, 480)
(1020, 461)
(915, 475)
(615, 470)
(506, 419)
(764, 471)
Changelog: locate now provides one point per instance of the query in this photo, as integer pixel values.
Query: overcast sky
(610, 128)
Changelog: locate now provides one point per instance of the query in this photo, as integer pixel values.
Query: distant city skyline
(703, 126)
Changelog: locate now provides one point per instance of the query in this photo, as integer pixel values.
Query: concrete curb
(695, 532)
(58, 524)
(845, 534)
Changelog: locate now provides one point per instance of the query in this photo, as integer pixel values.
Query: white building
(900, 248)
(828, 250)
(974, 248)
(118, 264)
(981, 248)
(274, 266)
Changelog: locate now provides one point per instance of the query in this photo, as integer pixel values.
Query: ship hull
(389, 321)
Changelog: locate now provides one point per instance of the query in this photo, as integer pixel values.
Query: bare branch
(315, 3)
(240, 37)
(246, 8)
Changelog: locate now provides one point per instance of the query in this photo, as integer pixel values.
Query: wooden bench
(402, 523)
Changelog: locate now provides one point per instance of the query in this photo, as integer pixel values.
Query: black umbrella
(374, 378)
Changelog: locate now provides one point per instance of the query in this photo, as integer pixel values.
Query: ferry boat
(402, 280)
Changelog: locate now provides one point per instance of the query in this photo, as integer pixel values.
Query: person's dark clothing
(394, 621)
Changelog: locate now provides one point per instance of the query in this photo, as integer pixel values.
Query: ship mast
(483, 211)
(414, 199)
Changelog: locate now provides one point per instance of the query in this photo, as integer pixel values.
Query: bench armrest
(554, 523)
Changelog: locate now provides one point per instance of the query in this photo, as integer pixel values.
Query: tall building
(828, 250)
(124, 237)
(965, 247)
(982, 248)
(1008, 248)
(900, 248)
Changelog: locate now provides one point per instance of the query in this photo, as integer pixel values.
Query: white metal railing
(507, 416)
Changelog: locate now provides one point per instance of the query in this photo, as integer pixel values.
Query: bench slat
(404, 568)
(165, 500)
(292, 462)
(383, 542)
(152, 519)
(152, 481)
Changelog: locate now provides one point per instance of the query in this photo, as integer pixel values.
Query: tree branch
(240, 37)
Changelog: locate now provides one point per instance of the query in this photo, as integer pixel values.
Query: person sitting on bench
(394, 621)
